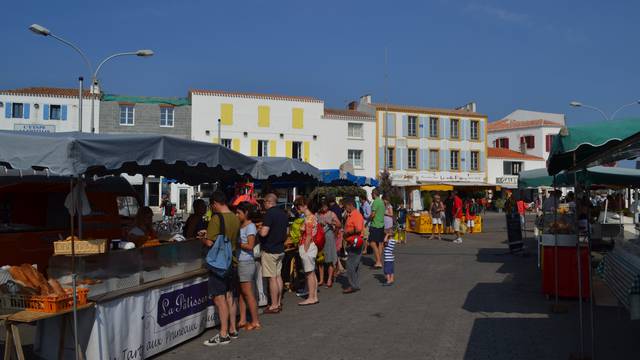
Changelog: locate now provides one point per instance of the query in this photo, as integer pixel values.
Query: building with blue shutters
(422, 145)
(45, 109)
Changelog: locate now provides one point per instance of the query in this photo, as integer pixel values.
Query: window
(17, 110)
(54, 112)
(126, 115)
(412, 159)
(434, 159)
(127, 206)
(390, 160)
(263, 148)
(512, 167)
(355, 130)
(529, 141)
(455, 129)
(412, 126)
(501, 143)
(166, 116)
(455, 160)
(548, 141)
(355, 156)
(434, 132)
(475, 130)
(475, 161)
(226, 143)
(296, 150)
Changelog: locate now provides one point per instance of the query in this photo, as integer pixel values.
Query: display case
(122, 269)
(559, 228)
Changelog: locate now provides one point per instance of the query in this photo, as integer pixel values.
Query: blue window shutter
(63, 112)
(444, 124)
(399, 164)
(424, 159)
(482, 161)
(7, 110)
(443, 160)
(481, 130)
(392, 124)
(405, 124)
(467, 161)
(424, 127)
(464, 129)
(45, 112)
(25, 111)
(381, 159)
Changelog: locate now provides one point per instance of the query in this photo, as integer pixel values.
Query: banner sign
(35, 128)
(144, 324)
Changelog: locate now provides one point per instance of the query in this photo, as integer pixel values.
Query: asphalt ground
(450, 301)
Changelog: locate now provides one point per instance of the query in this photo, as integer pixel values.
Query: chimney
(365, 99)
(353, 105)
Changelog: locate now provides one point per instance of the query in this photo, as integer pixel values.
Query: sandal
(271, 311)
(309, 304)
(251, 327)
(242, 326)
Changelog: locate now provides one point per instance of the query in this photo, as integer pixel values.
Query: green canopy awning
(597, 175)
(587, 145)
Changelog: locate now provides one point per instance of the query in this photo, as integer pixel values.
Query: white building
(428, 145)
(276, 125)
(45, 109)
(504, 165)
(526, 131)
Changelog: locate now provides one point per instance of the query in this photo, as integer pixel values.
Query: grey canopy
(74, 154)
(286, 169)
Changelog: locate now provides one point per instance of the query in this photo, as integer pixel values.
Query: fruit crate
(83, 247)
(44, 303)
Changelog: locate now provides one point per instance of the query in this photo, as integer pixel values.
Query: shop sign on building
(511, 180)
(35, 128)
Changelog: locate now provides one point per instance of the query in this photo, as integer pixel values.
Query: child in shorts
(389, 259)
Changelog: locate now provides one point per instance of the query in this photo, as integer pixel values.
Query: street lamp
(613, 116)
(41, 30)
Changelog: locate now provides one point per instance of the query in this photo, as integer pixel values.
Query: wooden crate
(82, 247)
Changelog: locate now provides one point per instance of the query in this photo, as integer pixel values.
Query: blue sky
(536, 55)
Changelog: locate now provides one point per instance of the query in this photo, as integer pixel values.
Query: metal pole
(80, 79)
(94, 83)
(579, 261)
(219, 131)
(74, 201)
(386, 111)
(591, 310)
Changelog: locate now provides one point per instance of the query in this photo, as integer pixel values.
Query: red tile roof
(343, 113)
(426, 110)
(251, 95)
(508, 124)
(46, 91)
(510, 154)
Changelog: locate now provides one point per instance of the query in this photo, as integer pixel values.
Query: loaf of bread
(57, 288)
(19, 277)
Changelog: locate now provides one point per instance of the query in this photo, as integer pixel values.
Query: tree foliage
(392, 192)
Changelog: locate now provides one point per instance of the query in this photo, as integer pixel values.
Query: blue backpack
(220, 255)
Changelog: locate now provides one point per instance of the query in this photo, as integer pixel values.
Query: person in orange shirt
(353, 234)
(522, 207)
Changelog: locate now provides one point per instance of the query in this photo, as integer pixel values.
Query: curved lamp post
(41, 30)
(613, 116)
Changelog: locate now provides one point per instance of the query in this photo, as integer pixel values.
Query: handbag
(220, 255)
(257, 251)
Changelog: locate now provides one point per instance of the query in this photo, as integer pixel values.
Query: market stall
(419, 221)
(159, 292)
(575, 150)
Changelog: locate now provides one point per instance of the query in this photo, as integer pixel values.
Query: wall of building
(514, 139)
(423, 174)
(334, 139)
(36, 118)
(495, 171)
(146, 120)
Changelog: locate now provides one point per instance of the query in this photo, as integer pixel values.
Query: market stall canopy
(74, 154)
(597, 175)
(284, 169)
(337, 177)
(594, 144)
(436, 187)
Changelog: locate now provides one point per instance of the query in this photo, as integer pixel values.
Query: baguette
(57, 288)
(19, 277)
(38, 280)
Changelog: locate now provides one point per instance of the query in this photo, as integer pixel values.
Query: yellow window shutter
(226, 114)
(306, 151)
(215, 140)
(264, 113)
(235, 145)
(289, 145)
(272, 148)
(254, 147)
(298, 118)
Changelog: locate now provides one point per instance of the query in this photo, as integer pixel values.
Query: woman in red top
(308, 251)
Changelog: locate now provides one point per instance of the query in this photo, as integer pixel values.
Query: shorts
(308, 257)
(456, 224)
(376, 234)
(246, 270)
(436, 220)
(448, 220)
(470, 224)
(221, 285)
(388, 268)
(271, 264)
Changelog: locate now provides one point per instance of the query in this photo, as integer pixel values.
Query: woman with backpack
(308, 250)
(331, 225)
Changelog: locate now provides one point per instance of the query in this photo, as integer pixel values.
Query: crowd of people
(453, 215)
(309, 247)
